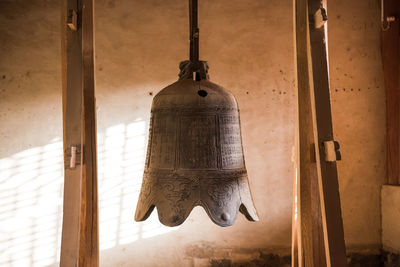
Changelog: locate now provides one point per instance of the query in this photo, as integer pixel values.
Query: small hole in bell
(202, 93)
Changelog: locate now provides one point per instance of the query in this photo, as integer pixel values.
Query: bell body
(195, 156)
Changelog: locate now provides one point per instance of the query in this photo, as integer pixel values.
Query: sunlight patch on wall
(31, 197)
(31, 187)
(121, 153)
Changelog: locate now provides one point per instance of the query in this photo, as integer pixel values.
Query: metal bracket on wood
(73, 157)
(386, 21)
(72, 20)
(332, 151)
(320, 18)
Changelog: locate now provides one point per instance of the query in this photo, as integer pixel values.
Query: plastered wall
(139, 44)
(358, 107)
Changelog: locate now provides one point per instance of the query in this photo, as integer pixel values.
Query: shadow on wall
(31, 197)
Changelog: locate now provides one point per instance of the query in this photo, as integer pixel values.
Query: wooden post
(319, 220)
(309, 221)
(79, 244)
(327, 172)
(391, 71)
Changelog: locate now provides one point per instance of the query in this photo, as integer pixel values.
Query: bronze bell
(195, 155)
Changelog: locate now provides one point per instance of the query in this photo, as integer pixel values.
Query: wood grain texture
(79, 245)
(296, 238)
(89, 246)
(308, 193)
(72, 132)
(323, 131)
(391, 70)
(296, 248)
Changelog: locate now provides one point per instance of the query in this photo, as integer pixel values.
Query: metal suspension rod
(194, 31)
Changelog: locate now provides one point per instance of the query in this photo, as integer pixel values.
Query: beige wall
(139, 44)
(358, 106)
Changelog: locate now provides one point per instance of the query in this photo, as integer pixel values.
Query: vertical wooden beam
(71, 48)
(304, 136)
(79, 244)
(391, 70)
(320, 221)
(323, 131)
(89, 246)
(309, 216)
(296, 231)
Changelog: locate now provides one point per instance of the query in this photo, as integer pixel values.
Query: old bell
(195, 155)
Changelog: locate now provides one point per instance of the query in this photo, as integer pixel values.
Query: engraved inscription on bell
(231, 143)
(162, 153)
(198, 144)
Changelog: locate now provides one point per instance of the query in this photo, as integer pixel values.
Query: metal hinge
(332, 151)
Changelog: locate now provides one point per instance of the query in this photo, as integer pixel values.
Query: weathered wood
(79, 245)
(297, 247)
(89, 246)
(391, 70)
(323, 131)
(72, 131)
(309, 214)
(304, 132)
(296, 234)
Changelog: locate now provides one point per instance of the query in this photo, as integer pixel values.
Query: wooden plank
(308, 194)
(297, 245)
(79, 245)
(391, 70)
(89, 246)
(335, 249)
(296, 236)
(318, 242)
(303, 130)
(72, 132)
